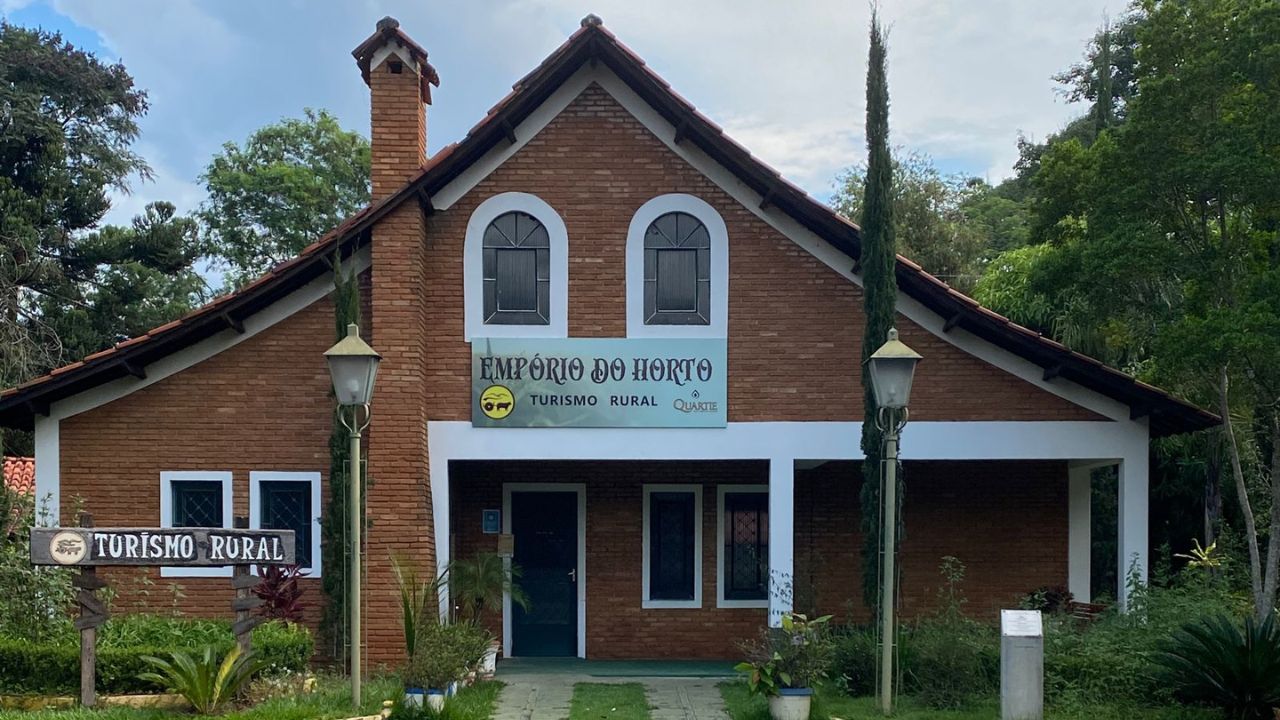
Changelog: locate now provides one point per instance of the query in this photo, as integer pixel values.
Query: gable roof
(593, 43)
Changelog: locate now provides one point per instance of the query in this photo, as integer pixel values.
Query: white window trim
(473, 267)
(696, 602)
(650, 211)
(257, 477)
(721, 491)
(167, 479)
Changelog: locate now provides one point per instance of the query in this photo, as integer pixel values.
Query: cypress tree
(333, 528)
(880, 287)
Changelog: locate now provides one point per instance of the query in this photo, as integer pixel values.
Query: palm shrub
(419, 601)
(206, 682)
(479, 583)
(1214, 662)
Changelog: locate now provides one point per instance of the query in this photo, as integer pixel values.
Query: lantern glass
(891, 380)
(353, 377)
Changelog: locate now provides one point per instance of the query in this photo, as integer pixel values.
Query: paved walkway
(531, 695)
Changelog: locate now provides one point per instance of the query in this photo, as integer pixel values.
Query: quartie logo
(695, 404)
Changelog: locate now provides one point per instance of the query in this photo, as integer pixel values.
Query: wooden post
(92, 614)
(242, 580)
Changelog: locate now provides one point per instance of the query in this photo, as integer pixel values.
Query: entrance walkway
(676, 690)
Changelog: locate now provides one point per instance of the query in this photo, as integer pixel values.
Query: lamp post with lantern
(891, 367)
(353, 366)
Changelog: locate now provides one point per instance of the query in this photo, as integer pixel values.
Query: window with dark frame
(677, 271)
(746, 546)
(517, 271)
(196, 503)
(671, 545)
(286, 505)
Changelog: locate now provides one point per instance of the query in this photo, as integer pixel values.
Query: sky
(784, 78)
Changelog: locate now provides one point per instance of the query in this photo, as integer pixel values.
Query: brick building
(621, 347)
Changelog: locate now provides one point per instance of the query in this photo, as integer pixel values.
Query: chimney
(400, 80)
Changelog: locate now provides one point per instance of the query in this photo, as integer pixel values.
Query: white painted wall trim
(167, 478)
(780, 221)
(312, 479)
(721, 491)
(1079, 530)
(650, 211)
(473, 267)
(695, 490)
(581, 490)
(1132, 530)
(48, 474)
(1066, 440)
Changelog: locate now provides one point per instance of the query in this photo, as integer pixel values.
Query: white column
(1132, 530)
(782, 493)
(48, 472)
(1079, 538)
(440, 520)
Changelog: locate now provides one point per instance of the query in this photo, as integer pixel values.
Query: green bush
(207, 681)
(54, 668)
(949, 662)
(444, 653)
(853, 660)
(1213, 662)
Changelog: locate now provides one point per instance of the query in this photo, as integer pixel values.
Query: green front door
(545, 526)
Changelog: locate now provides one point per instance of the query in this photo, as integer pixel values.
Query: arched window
(517, 271)
(677, 271)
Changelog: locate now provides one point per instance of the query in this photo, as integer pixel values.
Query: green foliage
(796, 655)
(949, 660)
(878, 258)
(206, 682)
(854, 658)
(474, 702)
(34, 601)
(1212, 661)
(419, 601)
(289, 184)
(445, 653)
(479, 583)
(53, 665)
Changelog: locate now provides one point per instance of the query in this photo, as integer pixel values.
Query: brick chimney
(400, 79)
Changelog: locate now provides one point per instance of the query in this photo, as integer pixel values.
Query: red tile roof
(592, 42)
(20, 474)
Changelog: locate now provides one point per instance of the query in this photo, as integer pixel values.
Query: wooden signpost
(87, 547)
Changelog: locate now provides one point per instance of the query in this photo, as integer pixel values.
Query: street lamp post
(353, 366)
(891, 368)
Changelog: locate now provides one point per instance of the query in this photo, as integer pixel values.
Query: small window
(289, 501)
(517, 271)
(677, 271)
(746, 546)
(195, 498)
(672, 575)
(197, 503)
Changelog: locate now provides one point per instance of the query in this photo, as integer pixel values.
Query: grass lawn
(332, 699)
(611, 701)
(830, 704)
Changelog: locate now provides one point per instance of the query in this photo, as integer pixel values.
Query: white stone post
(782, 492)
(1079, 537)
(1132, 531)
(440, 520)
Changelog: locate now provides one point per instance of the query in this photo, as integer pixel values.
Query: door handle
(573, 575)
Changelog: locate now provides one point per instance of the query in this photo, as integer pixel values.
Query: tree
(927, 215)
(66, 126)
(878, 259)
(289, 183)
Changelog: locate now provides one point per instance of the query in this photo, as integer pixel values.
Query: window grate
(286, 505)
(746, 547)
(197, 503)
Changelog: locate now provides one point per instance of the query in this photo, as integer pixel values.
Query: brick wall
(398, 125)
(952, 508)
(261, 405)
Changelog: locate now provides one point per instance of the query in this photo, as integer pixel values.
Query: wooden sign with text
(166, 547)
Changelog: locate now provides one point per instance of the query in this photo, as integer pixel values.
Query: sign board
(1021, 623)
(491, 522)
(599, 382)
(168, 547)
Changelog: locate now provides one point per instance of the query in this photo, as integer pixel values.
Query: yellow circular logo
(497, 402)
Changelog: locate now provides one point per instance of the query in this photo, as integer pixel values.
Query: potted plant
(785, 663)
(476, 586)
(443, 654)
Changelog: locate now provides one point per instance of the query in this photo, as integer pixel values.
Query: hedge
(55, 669)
